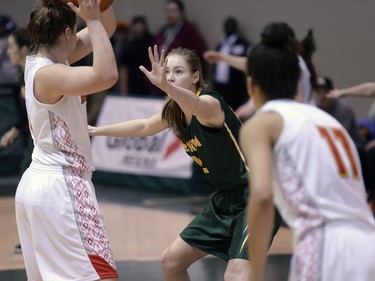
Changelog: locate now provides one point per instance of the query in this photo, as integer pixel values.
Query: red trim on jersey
(104, 270)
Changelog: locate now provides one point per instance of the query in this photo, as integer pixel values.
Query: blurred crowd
(223, 68)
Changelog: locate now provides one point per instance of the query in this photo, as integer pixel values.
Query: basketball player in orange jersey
(59, 222)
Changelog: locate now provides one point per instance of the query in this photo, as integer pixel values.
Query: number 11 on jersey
(332, 134)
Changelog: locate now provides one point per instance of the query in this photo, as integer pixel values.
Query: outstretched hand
(157, 75)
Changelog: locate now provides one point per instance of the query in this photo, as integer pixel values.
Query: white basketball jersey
(59, 130)
(318, 177)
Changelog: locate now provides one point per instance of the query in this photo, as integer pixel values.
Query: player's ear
(69, 33)
(196, 76)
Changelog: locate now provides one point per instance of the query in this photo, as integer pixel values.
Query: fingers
(156, 54)
(73, 7)
(143, 69)
(153, 55)
(162, 57)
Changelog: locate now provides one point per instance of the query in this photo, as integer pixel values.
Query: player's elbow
(108, 79)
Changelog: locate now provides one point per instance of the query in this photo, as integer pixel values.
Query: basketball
(103, 5)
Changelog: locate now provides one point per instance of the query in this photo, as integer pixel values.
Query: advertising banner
(160, 155)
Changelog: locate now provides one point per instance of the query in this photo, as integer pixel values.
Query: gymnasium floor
(140, 225)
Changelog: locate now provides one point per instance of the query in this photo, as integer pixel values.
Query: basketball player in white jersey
(304, 161)
(59, 222)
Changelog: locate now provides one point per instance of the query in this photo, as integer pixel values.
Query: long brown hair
(48, 21)
(172, 112)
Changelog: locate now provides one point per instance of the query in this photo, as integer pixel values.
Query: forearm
(234, 61)
(260, 216)
(84, 45)
(365, 90)
(186, 99)
(108, 19)
(104, 62)
(132, 128)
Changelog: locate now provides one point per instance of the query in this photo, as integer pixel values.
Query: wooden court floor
(140, 226)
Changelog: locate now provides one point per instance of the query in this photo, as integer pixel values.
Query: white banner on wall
(160, 155)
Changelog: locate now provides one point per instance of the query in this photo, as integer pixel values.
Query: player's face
(14, 52)
(179, 73)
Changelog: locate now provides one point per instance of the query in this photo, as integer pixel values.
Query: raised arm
(84, 46)
(132, 128)
(59, 79)
(362, 90)
(206, 108)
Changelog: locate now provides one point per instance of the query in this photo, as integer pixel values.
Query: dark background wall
(344, 29)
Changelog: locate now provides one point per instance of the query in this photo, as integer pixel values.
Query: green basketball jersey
(216, 149)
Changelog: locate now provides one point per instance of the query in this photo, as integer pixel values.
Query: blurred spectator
(8, 71)
(339, 109)
(178, 32)
(134, 54)
(19, 46)
(367, 126)
(119, 40)
(305, 48)
(228, 81)
(10, 103)
(344, 113)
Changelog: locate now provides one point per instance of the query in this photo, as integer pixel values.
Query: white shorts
(349, 252)
(60, 227)
(338, 251)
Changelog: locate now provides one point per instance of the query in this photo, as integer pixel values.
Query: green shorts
(220, 229)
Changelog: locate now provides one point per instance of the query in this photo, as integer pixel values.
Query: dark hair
(22, 37)
(230, 26)
(325, 83)
(172, 112)
(7, 25)
(273, 63)
(308, 47)
(280, 34)
(139, 19)
(179, 3)
(49, 20)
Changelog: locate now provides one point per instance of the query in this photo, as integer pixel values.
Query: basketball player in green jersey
(208, 130)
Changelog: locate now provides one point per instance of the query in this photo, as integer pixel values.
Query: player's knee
(168, 264)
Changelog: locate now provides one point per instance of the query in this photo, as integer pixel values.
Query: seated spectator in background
(135, 54)
(344, 113)
(228, 81)
(178, 32)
